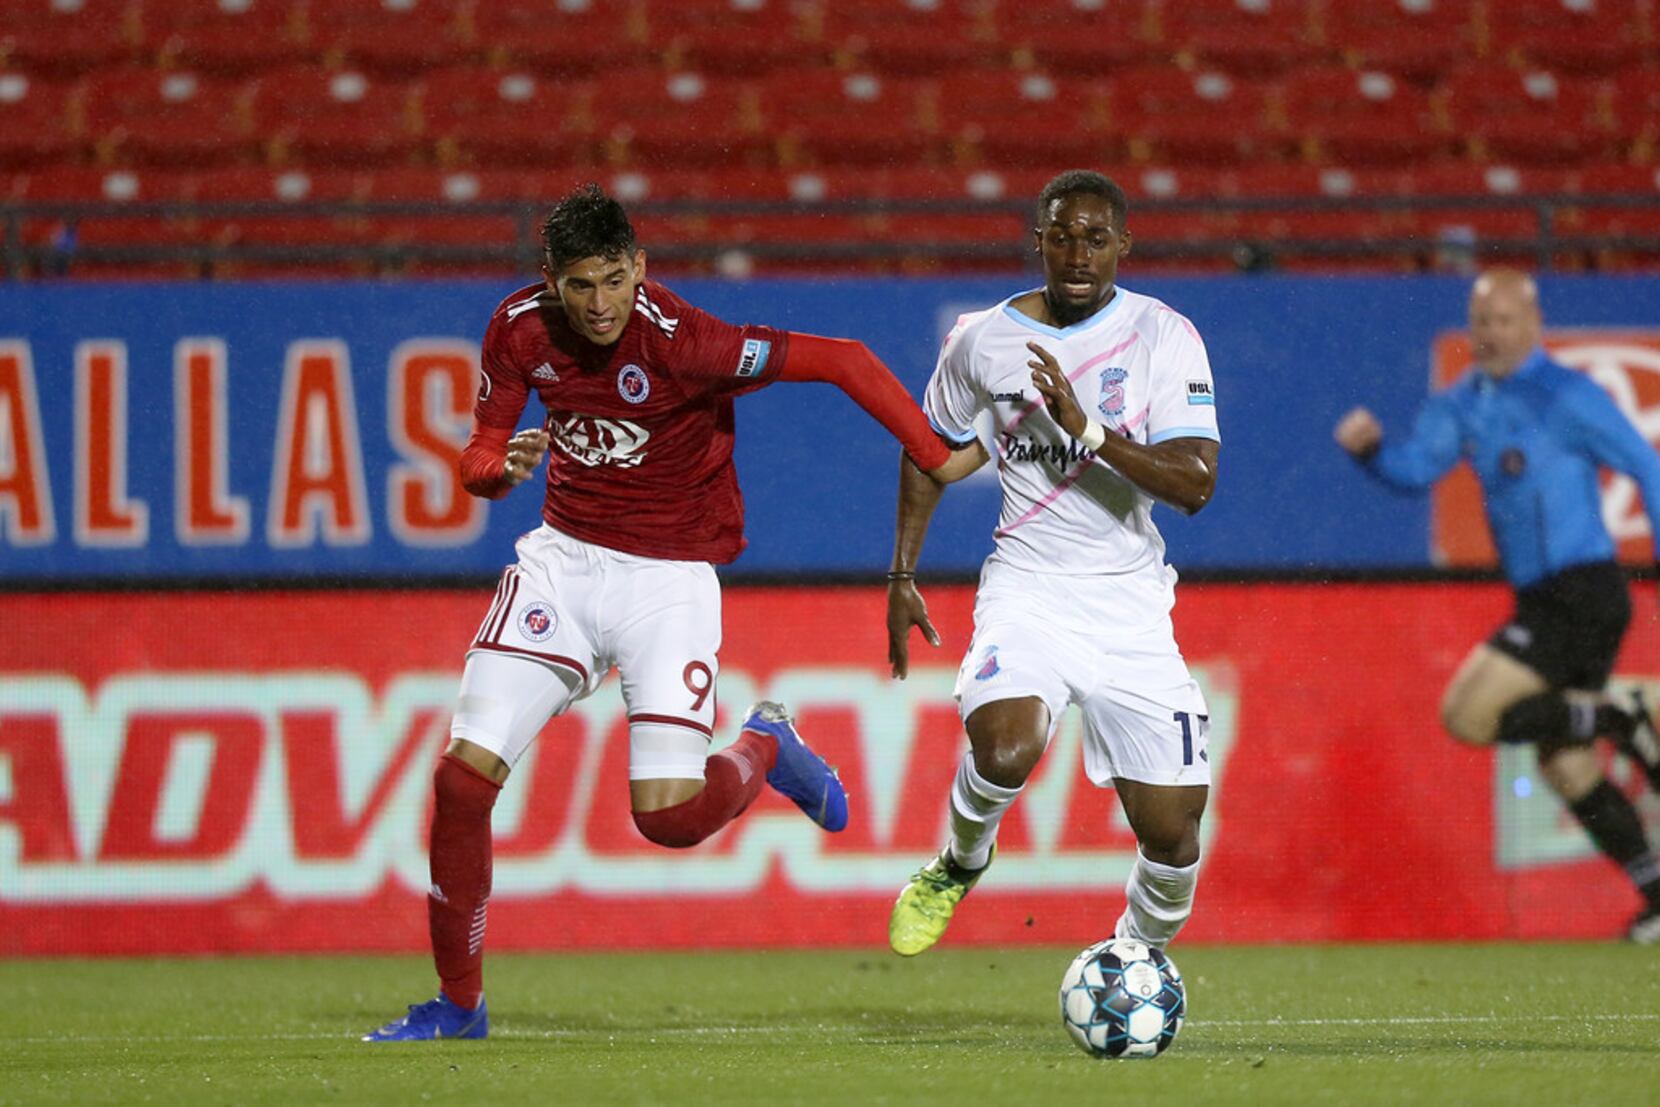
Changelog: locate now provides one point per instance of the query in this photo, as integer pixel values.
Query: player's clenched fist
(525, 452)
(1359, 432)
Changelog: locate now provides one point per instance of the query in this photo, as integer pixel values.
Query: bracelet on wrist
(902, 574)
(1092, 436)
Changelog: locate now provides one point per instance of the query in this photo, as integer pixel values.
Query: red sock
(460, 860)
(731, 779)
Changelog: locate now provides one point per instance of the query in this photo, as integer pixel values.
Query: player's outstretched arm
(919, 495)
(495, 460)
(1180, 471)
(850, 366)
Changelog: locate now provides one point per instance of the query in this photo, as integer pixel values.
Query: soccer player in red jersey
(642, 499)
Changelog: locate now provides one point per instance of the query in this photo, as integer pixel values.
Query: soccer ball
(1123, 998)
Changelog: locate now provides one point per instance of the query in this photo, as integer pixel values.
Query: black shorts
(1567, 628)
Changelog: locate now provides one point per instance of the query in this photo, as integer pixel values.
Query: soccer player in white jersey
(1100, 402)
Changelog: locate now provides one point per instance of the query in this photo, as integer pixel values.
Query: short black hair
(1089, 182)
(586, 224)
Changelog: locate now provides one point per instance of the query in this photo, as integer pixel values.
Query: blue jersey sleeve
(1601, 429)
(1422, 457)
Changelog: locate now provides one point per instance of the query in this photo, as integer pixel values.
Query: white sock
(977, 806)
(1160, 900)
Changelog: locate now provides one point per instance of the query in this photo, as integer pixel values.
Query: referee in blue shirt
(1537, 433)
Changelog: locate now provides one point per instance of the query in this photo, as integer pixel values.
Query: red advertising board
(249, 771)
(1624, 361)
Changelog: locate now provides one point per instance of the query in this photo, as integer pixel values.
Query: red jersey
(640, 432)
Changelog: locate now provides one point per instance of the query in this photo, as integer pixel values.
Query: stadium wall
(306, 432)
(232, 768)
(196, 772)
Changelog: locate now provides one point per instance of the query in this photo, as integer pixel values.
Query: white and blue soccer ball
(1123, 998)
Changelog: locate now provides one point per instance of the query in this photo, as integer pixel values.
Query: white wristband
(1092, 436)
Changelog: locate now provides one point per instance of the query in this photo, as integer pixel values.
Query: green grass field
(1510, 1024)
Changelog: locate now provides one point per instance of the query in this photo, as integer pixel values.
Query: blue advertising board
(303, 432)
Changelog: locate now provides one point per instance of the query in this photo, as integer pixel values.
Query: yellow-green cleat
(923, 909)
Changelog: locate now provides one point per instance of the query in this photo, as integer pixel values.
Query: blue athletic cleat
(799, 773)
(436, 1018)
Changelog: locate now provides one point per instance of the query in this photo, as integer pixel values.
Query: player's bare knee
(1176, 845)
(1008, 761)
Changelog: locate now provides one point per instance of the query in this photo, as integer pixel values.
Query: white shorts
(1145, 718)
(573, 610)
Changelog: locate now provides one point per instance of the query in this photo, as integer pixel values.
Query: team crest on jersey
(538, 621)
(989, 667)
(1112, 391)
(633, 385)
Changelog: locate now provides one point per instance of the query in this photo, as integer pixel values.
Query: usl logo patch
(538, 621)
(633, 385)
(1198, 392)
(753, 359)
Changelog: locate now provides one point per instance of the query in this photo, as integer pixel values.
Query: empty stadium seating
(817, 113)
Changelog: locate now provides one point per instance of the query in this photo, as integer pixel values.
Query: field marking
(819, 1028)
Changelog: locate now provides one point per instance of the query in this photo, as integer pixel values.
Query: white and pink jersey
(1136, 366)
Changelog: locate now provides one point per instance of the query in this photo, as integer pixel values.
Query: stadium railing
(44, 240)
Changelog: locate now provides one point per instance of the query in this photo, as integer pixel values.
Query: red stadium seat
(741, 38)
(1417, 39)
(66, 38)
(1625, 181)
(1532, 116)
(166, 118)
(269, 228)
(1170, 115)
(1575, 36)
(1009, 117)
(831, 117)
(473, 243)
(1258, 37)
(914, 37)
(1085, 38)
(648, 117)
(229, 37)
(508, 117)
(561, 37)
(333, 117)
(1459, 226)
(36, 126)
(387, 37)
(1634, 111)
(1367, 117)
(114, 226)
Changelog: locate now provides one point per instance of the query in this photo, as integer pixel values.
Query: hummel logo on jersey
(1008, 397)
(544, 372)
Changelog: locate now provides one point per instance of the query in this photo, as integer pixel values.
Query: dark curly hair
(586, 224)
(1089, 182)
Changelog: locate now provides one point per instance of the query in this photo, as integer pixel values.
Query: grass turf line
(1500, 1024)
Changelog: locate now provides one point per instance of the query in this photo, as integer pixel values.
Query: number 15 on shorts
(1193, 727)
